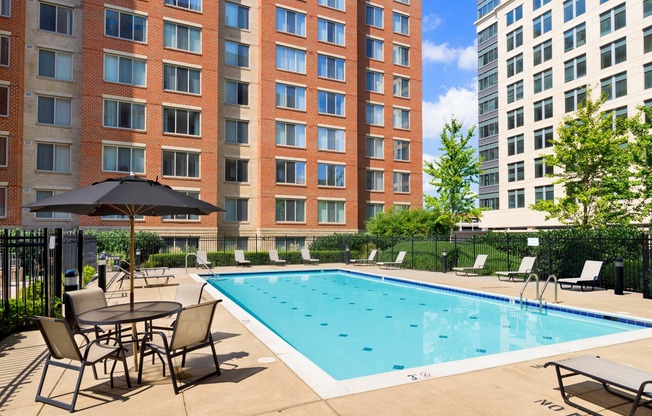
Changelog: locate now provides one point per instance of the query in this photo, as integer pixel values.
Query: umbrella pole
(132, 253)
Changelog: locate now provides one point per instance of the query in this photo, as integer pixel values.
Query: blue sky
(449, 69)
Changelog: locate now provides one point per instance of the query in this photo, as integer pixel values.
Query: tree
(591, 160)
(642, 161)
(406, 222)
(452, 176)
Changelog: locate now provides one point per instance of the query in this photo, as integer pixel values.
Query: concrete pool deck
(256, 382)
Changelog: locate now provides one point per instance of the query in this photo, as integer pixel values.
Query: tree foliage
(591, 159)
(641, 152)
(452, 176)
(407, 222)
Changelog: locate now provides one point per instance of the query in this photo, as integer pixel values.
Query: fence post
(412, 251)
(645, 249)
(58, 263)
(80, 258)
(549, 255)
(6, 275)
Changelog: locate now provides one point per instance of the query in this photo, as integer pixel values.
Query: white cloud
(465, 58)
(459, 102)
(430, 22)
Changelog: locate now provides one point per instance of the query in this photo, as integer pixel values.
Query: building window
(374, 147)
(575, 68)
(181, 121)
(125, 26)
(5, 50)
(613, 20)
(330, 67)
(515, 39)
(237, 54)
(543, 109)
(375, 114)
(541, 170)
(4, 150)
(538, 3)
(515, 145)
(514, 92)
(515, 65)
(484, 7)
(289, 21)
(516, 171)
(487, 55)
(647, 8)
(544, 193)
(41, 195)
(52, 110)
(330, 175)
(401, 23)
(542, 138)
(236, 131)
(402, 150)
(186, 4)
(489, 177)
(331, 32)
(375, 180)
(375, 81)
(542, 24)
(401, 119)
(573, 98)
(488, 80)
(52, 157)
(55, 18)
(290, 210)
(575, 37)
(648, 76)
(374, 16)
(124, 115)
(330, 103)
(401, 87)
(401, 182)
(515, 118)
(237, 16)
(236, 93)
(335, 4)
(329, 138)
(181, 79)
(614, 86)
(617, 116)
(516, 198)
(123, 70)
(401, 55)
(543, 81)
(647, 39)
(490, 201)
(184, 217)
(292, 172)
(290, 243)
(236, 170)
(3, 202)
(488, 128)
(373, 210)
(488, 152)
(573, 8)
(237, 209)
(374, 49)
(123, 159)
(5, 10)
(55, 64)
(613, 53)
(290, 59)
(487, 33)
(181, 37)
(290, 134)
(542, 52)
(330, 212)
(289, 96)
(180, 164)
(514, 15)
(4, 100)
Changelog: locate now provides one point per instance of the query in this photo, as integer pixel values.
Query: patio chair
(240, 258)
(608, 373)
(526, 267)
(187, 294)
(589, 277)
(191, 331)
(369, 260)
(273, 258)
(305, 256)
(478, 266)
(81, 301)
(393, 264)
(63, 352)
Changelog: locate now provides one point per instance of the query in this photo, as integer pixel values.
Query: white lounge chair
(526, 267)
(393, 264)
(370, 260)
(478, 266)
(240, 258)
(202, 260)
(305, 256)
(589, 277)
(273, 258)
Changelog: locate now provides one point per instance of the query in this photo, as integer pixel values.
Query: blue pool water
(353, 325)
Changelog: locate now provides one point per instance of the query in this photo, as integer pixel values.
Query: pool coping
(327, 387)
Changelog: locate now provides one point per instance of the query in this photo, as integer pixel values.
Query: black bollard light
(348, 254)
(101, 270)
(619, 270)
(444, 262)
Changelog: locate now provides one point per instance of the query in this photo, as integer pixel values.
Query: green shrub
(89, 272)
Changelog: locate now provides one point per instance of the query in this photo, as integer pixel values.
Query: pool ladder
(539, 294)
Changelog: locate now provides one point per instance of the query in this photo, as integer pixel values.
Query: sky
(449, 71)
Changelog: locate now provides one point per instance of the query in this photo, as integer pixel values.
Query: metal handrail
(554, 279)
(530, 276)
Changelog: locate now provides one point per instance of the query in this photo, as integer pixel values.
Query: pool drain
(266, 360)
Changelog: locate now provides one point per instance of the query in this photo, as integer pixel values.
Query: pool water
(351, 325)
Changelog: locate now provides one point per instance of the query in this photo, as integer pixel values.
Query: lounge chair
(305, 256)
(610, 375)
(478, 266)
(273, 258)
(202, 260)
(370, 260)
(393, 264)
(240, 258)
(125, 274)
(526, 267)
(589, 277)
(62, 349)
(191, 331)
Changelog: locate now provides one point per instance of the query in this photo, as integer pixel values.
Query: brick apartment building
(300, 117)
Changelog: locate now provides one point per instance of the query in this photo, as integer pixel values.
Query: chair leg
(217, 363)
(45, 370)
(172, 374)
(77, 386)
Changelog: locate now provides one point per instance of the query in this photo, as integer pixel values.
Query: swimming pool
(354, 326)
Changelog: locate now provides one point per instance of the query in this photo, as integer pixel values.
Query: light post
(101, 270)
